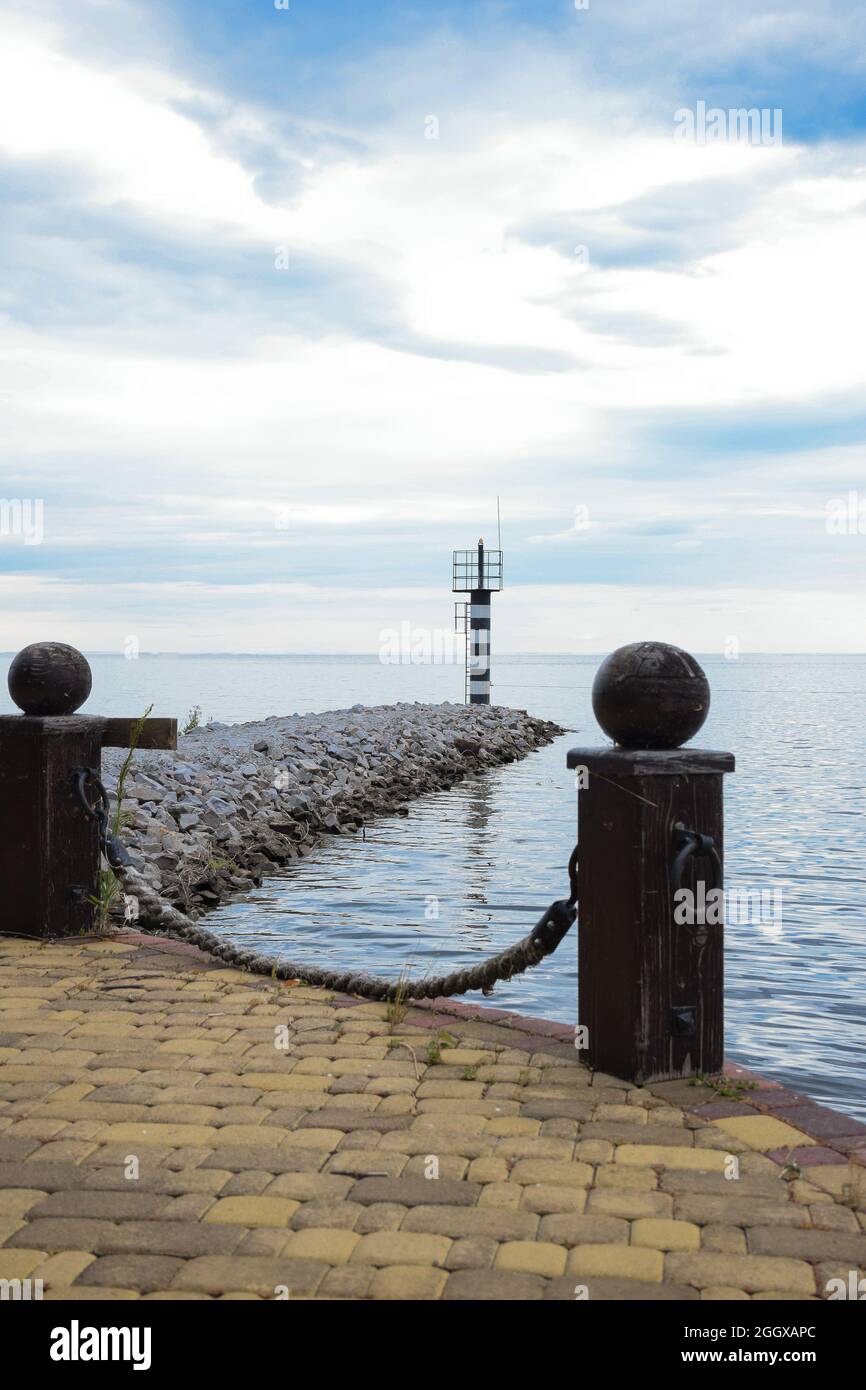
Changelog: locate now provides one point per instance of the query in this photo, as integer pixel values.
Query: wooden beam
(155, 733)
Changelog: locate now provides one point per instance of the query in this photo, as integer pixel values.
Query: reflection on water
(458, 879)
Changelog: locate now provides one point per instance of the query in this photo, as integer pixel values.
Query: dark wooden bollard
(49, 846)
(650, 825)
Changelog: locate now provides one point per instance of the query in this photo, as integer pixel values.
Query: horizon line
(371, 656)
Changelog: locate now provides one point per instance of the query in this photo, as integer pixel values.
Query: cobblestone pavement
(173, 1129)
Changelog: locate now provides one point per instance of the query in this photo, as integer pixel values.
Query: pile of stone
(237, 800)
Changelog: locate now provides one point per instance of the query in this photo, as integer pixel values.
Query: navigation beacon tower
(477, 573)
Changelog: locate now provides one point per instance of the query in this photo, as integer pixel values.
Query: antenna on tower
(498, 526)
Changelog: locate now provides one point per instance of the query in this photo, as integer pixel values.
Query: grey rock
(144, 789)
(321, 773)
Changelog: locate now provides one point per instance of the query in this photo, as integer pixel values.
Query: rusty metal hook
(85, 779)
(688, 843)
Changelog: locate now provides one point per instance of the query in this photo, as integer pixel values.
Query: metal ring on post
(688, 843)
(85, 778)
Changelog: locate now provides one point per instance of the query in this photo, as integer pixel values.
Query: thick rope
(529, 951)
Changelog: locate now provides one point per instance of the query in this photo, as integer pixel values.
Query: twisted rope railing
(541, 942)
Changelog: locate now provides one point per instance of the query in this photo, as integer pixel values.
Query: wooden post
(49, 846)
(650, 906)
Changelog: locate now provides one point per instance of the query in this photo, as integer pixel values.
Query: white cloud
(311, 419)
(120, 132)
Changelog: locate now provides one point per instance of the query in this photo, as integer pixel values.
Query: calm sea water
(469, 870)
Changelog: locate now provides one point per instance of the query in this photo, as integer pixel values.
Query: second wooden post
(651, 899)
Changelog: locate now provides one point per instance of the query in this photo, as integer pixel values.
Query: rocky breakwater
(237, 800)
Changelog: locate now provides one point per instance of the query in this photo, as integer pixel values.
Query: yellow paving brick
(312, 1138)
(659, 1155)
(391, 1105)
(329, 1245)
(464, 1057)
(847, 1181)
(505, 1195)
(449, 1090)
(520, 1071)
(321, 1066)
(32, 1069)
(782, 1295)
(37, 1129)
(806, 1193)
(624, 1179)
(159, 1114)
(625, 1114)
(616, 1262)
(77, 1090)
(367, 1163)
(91, 1029)
(594, 1151)
(544, 1170)
(231, 976)
(512, 1126)
(389, 1085)
(280, 1081)
(408, 1282)
(401, 1248)
(534, 1147)
(113, 1076)
(531, 1257)
(252, 1211)
(17, 1201)
(629, 1205)
(665, 1115)
(59, 1271)
(455, 1123)
(258, 1136)
(175, 1136)
(548, 1198)
(19, 1264)
(726, 1240)
(61, 1151)
(763, 1132)
(488, 1169)
(660, 1234)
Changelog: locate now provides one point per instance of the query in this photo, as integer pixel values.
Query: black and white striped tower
(478, 573)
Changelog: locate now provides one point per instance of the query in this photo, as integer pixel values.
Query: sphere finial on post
(49, 678)
(650, 695)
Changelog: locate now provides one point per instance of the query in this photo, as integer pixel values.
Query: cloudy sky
(289, 296)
